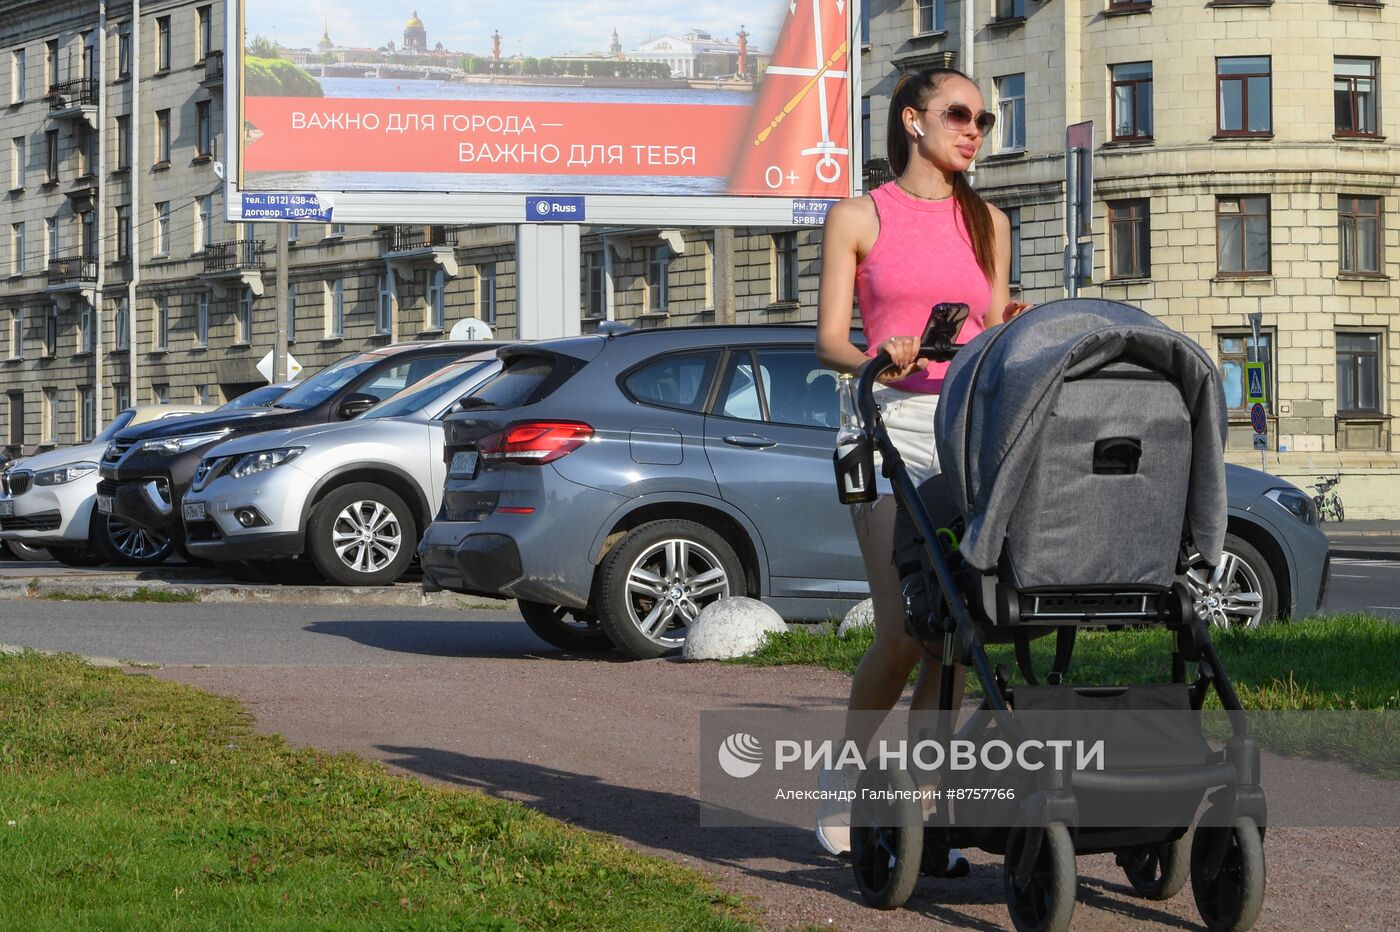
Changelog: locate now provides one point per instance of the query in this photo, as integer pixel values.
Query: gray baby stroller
(1082, 454)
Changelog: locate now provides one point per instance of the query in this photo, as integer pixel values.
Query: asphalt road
(1364, 586)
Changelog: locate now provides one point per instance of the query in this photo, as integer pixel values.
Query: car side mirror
(355, 404)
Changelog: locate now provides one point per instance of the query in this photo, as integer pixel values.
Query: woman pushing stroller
(924, 239)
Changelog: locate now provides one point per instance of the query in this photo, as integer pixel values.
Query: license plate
(193, 511)
(463, 465)
(104, 504)
(7, 509)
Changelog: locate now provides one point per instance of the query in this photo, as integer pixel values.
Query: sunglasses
(957, 117)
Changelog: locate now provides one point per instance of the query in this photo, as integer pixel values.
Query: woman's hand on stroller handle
(903, 357)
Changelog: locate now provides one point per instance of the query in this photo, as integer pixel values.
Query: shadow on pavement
(669, 822)
(491, 638)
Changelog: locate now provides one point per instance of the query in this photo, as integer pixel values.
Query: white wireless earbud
(918, 130)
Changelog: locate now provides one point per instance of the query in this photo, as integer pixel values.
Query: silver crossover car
(47, 500)
(352, 496)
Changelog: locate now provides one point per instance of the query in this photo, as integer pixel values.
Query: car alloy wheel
(1239, 593)
(134, 543)
(657, 580)
(367, 536)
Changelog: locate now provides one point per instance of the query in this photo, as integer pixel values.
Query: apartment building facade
(1244, 162)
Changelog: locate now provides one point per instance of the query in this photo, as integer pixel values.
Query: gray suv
(615, 485)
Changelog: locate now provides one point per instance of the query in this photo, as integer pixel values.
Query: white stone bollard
(729, 628)
(860, 616)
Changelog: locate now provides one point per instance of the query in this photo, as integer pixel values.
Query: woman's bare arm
(1002, 308)
(850, 231)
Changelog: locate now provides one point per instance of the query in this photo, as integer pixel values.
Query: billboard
(487, 111)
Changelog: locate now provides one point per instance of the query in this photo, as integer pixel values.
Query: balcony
(238, 263)
(406, 246)
(74, 100)
(72, 274)
(213, 70)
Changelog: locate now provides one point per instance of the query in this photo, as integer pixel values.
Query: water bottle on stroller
(855, 453)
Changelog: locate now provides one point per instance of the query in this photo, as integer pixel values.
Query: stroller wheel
(1046, 902)
(1158, 872)
(1228, 896)
(887, 838)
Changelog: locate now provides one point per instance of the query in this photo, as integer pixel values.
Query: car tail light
(534, 442)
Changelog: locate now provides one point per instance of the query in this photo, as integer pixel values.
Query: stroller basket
(1090, 608)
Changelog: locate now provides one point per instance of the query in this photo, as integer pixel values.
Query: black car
(147, 470)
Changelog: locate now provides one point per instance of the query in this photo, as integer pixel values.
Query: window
(791, 387)
(17, 76)
(162, 43)
(1132, 101)
(87, 408)
(50, 240)
(865, 24)
(437, 282)
(206, 394)
(658, 276)
(16, 419)
(50, 64)
(124, 50)
(1129, 239)
(293, 232)
(384, 318)
(335, 309)
(397, 378)
(51, 333)
(597, 294)
(204, 33)
(1354, 95)
(50, 416)
(160, 325)
(243, 324)
(87, 332)
(1358, 373)
(864, 124)
(1242, 235)
(1359, 234)
(785, 267)
(162, 231)
(680, 380)
(123, 142)
(123, 393)
(486, 293)
(160, 393)
(17, 249)
(1014, 215)
(336, 230)
(17, 333)
(87, 234)
(1243, 101)
(162, 137)
(18, 148)
(928, 16)
(291, 313)
(204, 135)
(89, 56)
(1010, 9)
(1236, 349)
(1011, 112)
(87, 151)
(204, 223)
(123, 230)
(121, 323)
(51, 157)
(201, 319)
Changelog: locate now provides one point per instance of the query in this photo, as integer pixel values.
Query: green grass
(142, 594)
(126, 802)
(1341, 663)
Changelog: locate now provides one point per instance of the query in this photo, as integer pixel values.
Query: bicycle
(1328, 502)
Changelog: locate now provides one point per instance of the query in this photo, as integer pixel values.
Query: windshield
(327, 382)
(257, 398)
(118, 422)
(420, 394)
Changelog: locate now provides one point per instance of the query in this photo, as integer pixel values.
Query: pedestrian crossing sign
(1254, 372)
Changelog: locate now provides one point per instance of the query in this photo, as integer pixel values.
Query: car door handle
(749, 441)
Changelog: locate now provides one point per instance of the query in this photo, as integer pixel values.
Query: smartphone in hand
(945, 322)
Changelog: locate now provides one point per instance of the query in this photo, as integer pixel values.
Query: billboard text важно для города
(546, 97)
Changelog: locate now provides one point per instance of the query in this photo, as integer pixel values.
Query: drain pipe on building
(133, 248)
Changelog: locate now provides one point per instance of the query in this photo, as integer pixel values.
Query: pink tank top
(922, 256)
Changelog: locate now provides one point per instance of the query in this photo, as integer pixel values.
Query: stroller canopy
(1002, 388)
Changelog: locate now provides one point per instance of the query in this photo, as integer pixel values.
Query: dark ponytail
(913, 89)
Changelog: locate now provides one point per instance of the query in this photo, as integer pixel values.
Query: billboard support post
(279, 339)
(547, 286)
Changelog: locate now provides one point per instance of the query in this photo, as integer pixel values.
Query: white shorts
(908, 418)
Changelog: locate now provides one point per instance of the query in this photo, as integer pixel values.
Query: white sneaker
(834, 815)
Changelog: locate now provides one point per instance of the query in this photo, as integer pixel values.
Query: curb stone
(402, 595)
